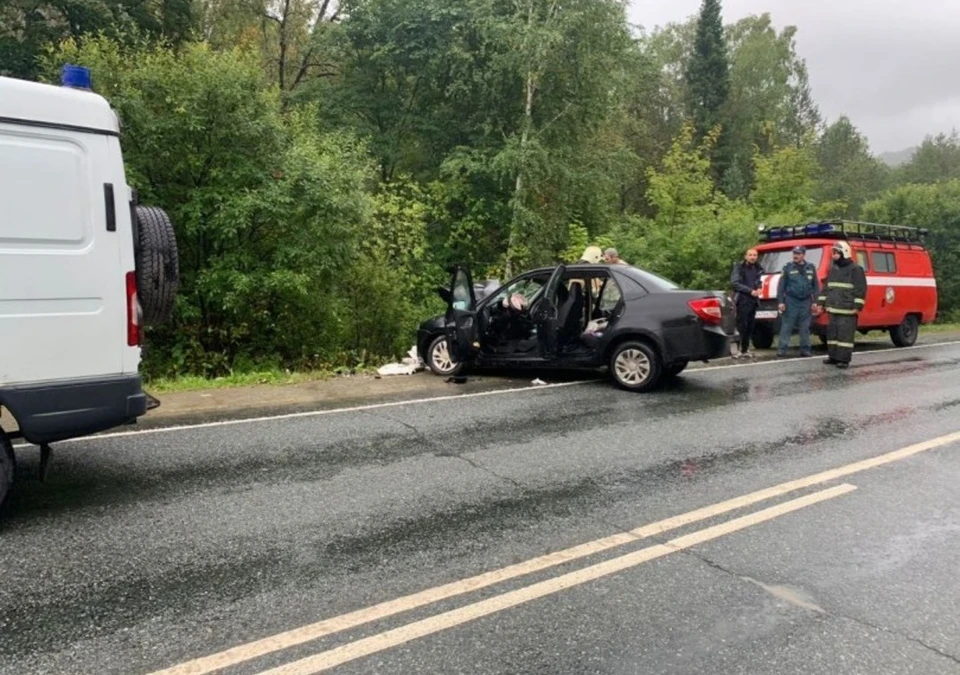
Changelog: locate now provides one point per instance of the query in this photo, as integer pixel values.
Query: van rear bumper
(55, 411)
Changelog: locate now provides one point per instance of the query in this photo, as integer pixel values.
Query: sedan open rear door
(545, 313)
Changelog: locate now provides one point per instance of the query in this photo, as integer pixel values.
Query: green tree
(785, 184)
(697, 231)
(708, 71)
(708, 83)
(937, 159)
(937, 208)
(770, 104)
(267, 209)
(28, 26)
(850, 174)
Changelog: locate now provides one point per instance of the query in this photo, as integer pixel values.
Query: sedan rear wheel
(440, 360)
(635, 366)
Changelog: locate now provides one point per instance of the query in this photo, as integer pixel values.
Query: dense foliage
(323, 161)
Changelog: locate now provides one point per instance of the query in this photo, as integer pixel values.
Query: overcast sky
(892, 66)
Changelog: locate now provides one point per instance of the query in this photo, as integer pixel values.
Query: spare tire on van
(158, 265)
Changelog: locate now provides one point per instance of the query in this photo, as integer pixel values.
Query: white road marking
(498, 603)
(311, 632)
(439, 399)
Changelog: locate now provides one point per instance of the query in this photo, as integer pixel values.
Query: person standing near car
(796, 298)
(612, 257)
(592, 255)
(843, 297)
(746, 278)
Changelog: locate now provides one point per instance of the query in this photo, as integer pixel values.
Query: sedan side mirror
(444, 294)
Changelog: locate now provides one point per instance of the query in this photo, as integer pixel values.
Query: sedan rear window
(649, 280)
(774, 261)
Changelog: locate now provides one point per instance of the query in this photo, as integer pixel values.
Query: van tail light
(709, 310)
(133, 311)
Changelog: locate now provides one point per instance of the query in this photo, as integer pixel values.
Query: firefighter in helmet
(842, 298)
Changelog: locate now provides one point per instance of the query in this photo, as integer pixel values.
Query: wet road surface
(145, 552)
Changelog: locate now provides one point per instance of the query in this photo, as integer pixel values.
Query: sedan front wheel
(635, 366)
(439, 359)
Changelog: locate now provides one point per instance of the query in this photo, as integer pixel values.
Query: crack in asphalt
(793, 598)
(440, 452)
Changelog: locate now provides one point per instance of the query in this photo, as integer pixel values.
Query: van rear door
(62, 294)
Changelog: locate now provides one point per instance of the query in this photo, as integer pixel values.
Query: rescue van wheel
(8, 468)
(906, 333)
(762, 337)
(635, 366)
(158, 267)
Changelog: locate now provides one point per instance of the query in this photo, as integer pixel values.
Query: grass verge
(274, 377)
(940, 328)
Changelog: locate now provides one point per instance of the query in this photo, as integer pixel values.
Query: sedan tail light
(710, 310)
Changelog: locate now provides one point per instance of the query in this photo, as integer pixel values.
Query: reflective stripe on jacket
(846, 289)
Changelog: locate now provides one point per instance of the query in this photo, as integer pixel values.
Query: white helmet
(843, 248)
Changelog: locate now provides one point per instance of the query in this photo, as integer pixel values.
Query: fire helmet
(843, 248)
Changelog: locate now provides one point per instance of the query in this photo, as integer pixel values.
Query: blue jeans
(798, 315)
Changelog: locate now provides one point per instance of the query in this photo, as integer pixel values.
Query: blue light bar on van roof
(76, 77)
(811, 230)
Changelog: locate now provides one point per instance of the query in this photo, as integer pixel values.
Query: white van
(82, 268)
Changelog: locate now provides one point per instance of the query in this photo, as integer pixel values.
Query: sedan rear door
(545, 312)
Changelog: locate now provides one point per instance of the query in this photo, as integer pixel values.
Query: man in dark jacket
(746, 280)
(796, 297)
(843, 297)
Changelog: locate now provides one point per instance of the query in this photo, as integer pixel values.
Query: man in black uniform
(746, 279)
(843, 297)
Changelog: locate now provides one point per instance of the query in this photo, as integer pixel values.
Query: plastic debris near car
(408, 366)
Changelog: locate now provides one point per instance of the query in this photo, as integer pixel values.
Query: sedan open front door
(460, 324)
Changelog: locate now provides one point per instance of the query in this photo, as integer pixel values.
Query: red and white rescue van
(901, 287)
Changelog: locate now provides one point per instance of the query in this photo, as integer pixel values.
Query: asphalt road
(144, 552)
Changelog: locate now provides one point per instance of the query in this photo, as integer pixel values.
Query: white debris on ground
(408, 366)
(538, 382)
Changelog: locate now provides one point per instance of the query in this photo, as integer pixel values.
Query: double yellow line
(386, 640)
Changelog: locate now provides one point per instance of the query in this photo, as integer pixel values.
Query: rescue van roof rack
(845, 229)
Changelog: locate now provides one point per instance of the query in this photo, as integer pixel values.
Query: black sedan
(641, 326)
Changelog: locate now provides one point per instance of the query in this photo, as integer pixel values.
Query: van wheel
(440, 360)
(158, 265)
(8, 468)
(762, 336)
(906, 333)
(635, 366)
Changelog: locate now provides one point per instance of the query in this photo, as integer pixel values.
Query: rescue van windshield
(773, 261)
